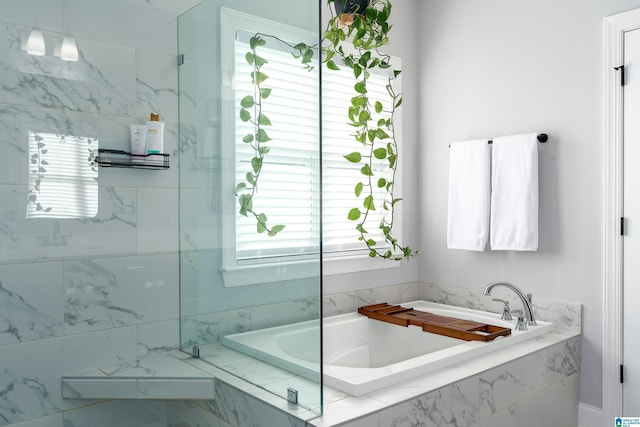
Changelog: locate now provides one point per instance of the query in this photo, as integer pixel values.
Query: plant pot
(350, 6)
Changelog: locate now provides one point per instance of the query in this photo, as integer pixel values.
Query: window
(289, 184)
(63, 179)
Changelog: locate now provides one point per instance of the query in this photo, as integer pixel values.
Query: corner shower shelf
(124, 159)
(441, 325)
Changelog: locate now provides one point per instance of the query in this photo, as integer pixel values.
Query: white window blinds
(289, 184)
(63, 180)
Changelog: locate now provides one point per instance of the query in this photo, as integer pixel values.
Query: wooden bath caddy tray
(441, 325)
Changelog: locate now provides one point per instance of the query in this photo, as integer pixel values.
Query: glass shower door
(250, 258)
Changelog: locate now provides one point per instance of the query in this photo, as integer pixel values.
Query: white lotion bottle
(138, 142)
(155, 134)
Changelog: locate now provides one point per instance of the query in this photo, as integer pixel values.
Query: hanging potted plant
(355, 34)
(354, 38)
(350, 6)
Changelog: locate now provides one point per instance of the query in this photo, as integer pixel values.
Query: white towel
(514, 193)
(469, 195)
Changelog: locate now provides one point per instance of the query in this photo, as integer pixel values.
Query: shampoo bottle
(155, 134)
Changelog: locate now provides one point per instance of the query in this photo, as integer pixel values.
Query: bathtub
(362, 355)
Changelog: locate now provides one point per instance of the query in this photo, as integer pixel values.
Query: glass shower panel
(250, 264)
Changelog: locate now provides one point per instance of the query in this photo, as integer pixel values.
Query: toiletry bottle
(138, 142)
(155, 134)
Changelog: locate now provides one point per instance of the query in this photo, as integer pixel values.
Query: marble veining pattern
(22, 239)
(454, 405)
(20, 321)
(93, 84)
(210, 328)
(346, 302)
(30, 302)
(30, 383)
(564, 315)
(106, 293)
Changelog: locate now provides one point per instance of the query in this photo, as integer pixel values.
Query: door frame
(612, 350)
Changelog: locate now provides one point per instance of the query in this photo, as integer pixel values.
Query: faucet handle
(506, 310)
(521, 325)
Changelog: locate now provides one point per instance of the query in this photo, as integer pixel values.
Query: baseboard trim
(589, 416)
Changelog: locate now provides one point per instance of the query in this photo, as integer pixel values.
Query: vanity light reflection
(35, 43)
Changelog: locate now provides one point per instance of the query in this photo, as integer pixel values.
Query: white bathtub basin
(362, 355)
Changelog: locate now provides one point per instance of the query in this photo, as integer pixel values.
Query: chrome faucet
(526, 299)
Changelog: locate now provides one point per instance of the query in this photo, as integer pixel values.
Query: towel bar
(542, 138)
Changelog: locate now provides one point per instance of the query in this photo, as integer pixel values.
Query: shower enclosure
(250, 258)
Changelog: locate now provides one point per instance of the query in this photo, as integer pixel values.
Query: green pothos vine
(365, 33)
(251, 111)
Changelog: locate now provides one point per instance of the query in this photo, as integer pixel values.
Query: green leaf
(354, 157)
(380, 153)
(261, 223)
(265, 92)
(369, 203)
(381, 134)
(382, 182)
(361, 229)
(247, 101)
(354, 214)
(275, 230)
(246, 203)
(349, 61)
(395, 201)
(251, 179)
(365, 57)
(260, 61)
(357, 70)
(371, 14)
(248, 138)
(256, 164)
(360, 87)
(250, 58)
(245, 116)
(332, 65)
(366, 170)
(258, 77)
(262, 136)
(264, 150)
(372, 253)
(263, 120)
(392, 160)
(399, 103)
(256, 41)
(241, 186)
(378, 107)
(371, 242)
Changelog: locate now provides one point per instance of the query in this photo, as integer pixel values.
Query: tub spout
(526, 299)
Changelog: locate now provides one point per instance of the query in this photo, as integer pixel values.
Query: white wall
(496, 67)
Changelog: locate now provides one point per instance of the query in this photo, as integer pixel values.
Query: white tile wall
(109, 291)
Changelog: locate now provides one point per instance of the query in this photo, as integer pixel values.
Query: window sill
(355, 264)
(269, 273)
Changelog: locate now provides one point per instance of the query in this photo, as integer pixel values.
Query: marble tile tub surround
(566, 316)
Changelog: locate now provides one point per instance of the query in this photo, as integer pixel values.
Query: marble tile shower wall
(85, 292)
